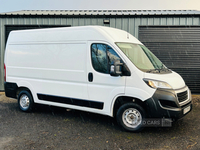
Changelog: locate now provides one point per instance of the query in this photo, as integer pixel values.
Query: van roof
(64, 34)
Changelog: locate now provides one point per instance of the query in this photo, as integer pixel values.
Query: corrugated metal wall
(130, 24)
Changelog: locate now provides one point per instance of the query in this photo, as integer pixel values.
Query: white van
(96, 69)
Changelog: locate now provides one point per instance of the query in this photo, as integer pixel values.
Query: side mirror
(116, 69)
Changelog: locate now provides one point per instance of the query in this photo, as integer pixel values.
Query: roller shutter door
(178, 48)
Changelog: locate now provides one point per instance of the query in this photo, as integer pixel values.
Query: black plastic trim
(10, 89)
(156, 110)
(90, 77)
(71, 101)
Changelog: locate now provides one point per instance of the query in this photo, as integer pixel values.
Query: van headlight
(157, 84)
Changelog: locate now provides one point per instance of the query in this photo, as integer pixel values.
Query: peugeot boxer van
(96, 69)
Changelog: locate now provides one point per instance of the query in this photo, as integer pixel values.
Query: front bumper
(173, 104)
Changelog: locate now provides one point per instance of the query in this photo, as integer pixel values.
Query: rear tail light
(4, 72)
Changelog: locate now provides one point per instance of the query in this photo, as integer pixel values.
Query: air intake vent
(182, 96)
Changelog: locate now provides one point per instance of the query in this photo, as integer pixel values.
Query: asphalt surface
(62, 129)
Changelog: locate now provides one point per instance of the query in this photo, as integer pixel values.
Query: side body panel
(50, 68)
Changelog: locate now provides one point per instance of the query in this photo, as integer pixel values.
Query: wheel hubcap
(24, 101)
(132, 118)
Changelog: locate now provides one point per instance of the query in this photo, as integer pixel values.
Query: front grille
(182, 96)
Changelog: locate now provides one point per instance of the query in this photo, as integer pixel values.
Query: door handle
(90, 77)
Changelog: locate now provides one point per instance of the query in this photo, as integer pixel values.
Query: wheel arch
(23, 88)
(25, 85)
(120, 100)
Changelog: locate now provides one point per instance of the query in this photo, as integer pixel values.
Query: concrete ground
(57, 128)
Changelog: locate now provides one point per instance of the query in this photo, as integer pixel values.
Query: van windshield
(142, 57)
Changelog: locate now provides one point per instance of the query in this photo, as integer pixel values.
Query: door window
(102, 57)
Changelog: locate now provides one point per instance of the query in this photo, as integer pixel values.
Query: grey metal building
(172, 35)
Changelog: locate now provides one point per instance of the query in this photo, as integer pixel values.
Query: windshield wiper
(153, 70)
(163, 69)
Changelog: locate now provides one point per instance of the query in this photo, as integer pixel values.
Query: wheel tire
(25, 101)
(130, 117)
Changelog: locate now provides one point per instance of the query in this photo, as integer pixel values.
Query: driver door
(102, 87)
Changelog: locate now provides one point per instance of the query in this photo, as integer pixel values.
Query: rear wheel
(25, 101)
(130, 117)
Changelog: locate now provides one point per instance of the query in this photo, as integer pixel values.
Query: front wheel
(130, 117)
(25, 101)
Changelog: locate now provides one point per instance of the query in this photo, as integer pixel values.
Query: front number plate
(186, 110)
